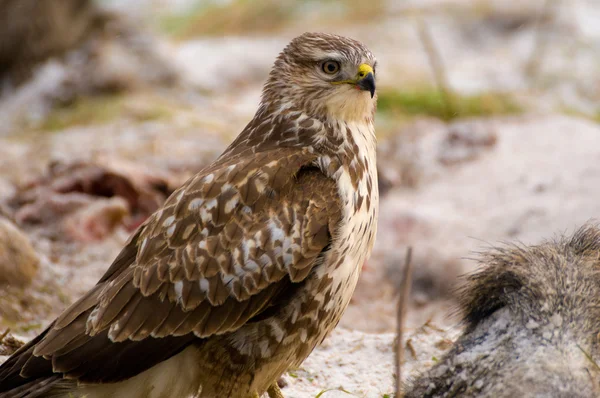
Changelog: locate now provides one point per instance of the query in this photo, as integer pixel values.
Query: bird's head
(326, 76)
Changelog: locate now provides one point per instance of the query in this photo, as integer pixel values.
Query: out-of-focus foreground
(488, 128)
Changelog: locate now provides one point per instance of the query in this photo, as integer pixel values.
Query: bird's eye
(330, 67)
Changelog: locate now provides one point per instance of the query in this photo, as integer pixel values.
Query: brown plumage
(532, 319)
(247, 267)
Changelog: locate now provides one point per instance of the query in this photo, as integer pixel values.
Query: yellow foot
(274, 391)
(255, 395)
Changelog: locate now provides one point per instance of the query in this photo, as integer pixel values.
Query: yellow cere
(363, 71)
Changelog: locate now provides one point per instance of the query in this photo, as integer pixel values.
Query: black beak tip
(368, 84)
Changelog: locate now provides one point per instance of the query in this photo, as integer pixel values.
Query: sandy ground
(356, 364)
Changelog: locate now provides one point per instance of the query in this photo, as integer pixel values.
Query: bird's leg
(274, 391)
(255, 395)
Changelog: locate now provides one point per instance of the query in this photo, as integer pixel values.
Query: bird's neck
(283, 125)
(347, 139)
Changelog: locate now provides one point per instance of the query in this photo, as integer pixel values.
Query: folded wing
(219, 253)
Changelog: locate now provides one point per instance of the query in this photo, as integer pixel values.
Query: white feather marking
(236, 254)
(277, 233)
(178, 286)
(143, 245)
(195, 204)
(303, 335)
(250, 266)
(208, 178)
(225, 187)
(260, 183)
(92, 320)
(205, 215)
(203, 284)
(239, 270)
(113, 331)
(245, 251)
(168, 221)
(230, 204)
(211, 204)
(227, 278)
(265, 260)
(171, 230)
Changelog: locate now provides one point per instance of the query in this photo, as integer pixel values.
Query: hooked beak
(365, 79)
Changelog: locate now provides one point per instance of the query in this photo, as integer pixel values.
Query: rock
(87, 200)
(466, 140)
(18, 260)
(97, 220)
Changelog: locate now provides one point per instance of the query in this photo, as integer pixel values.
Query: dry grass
(428, 101)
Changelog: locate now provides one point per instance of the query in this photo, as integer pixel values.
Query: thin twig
(437, 67)
(402, 308)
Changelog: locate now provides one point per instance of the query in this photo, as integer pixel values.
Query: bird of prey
(247, 267)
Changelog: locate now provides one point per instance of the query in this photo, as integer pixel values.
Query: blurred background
(488, 128)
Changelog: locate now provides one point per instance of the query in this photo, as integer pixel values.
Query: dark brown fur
(532, 319)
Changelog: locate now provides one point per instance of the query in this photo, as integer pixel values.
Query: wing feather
(216, 256)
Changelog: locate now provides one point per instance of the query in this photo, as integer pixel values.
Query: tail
(38, 388)
(39, 380)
